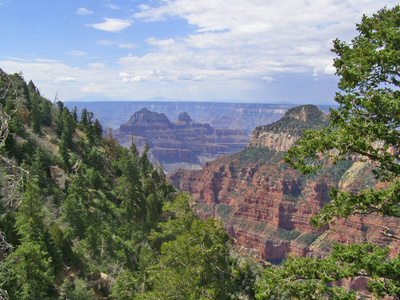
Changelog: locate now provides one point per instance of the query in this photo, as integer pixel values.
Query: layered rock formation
(243, 116)
(266, 205)
(182, 143)
(282, 134)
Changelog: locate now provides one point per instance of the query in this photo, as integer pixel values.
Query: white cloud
(64, 79)
(267, 78)
(76, 53)
(83, 11)
(14, 58)
(127, 45)
(112, 25)
(45, 60)
(92, 88)
(113, 6)
(105, 42)
(119, 45)
(235, 38)
(97, 66)
(45, 73)
(234, 47)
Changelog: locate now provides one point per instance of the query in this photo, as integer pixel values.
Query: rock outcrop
(182, 143)
(282, 134)
(266, 205)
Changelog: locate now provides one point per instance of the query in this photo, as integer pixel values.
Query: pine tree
(366, 124)
(35, 115)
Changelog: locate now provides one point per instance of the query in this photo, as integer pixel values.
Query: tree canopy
(80, 214)
(365, 126)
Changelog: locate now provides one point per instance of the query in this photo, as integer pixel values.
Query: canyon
(241, 116)
(266, 205)
(182, 143)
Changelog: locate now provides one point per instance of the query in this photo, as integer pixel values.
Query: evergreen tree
(144, 163)
(32, 272)
(97, 128)
(75, 115)
(366, 124)
(30, 216)
(46, 112)
(59, 118)
(35, 114)
(68, 127)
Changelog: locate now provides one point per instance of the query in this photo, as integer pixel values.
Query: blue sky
(196, 50)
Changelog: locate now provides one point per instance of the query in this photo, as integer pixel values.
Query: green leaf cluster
(365, 127)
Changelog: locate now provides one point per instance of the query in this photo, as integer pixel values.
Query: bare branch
(5, 269)
(386, 231)
(13, 179)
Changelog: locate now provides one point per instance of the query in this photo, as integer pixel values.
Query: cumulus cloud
(122, 74)
(45, 73)
(254, 38)
(83, 11)
(112, 25)
(229, 48)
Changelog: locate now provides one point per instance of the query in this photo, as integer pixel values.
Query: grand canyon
(182, 143)
(266, 205)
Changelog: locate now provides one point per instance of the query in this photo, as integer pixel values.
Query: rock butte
(182, 143)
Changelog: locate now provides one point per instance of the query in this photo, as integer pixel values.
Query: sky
(253, 51)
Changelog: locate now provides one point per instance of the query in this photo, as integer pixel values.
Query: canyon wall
(242, 116)
(266, 205)
(179, 144)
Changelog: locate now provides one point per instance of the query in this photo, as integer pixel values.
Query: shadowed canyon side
(179, 144)
(266, 205)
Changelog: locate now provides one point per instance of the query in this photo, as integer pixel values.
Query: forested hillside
(81, 217)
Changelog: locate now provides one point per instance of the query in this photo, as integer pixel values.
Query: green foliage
(307, 238)
(257, 155)
(346, 261)
(194, 261)
(365, 125)
(286, 234)
(30, 215)
(124, 287)
(31, 275)
(224, 211)
(35, 115)
(74, 288)
(297, 119)
(104, 209)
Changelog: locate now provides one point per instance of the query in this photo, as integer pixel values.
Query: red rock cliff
(266, 205)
